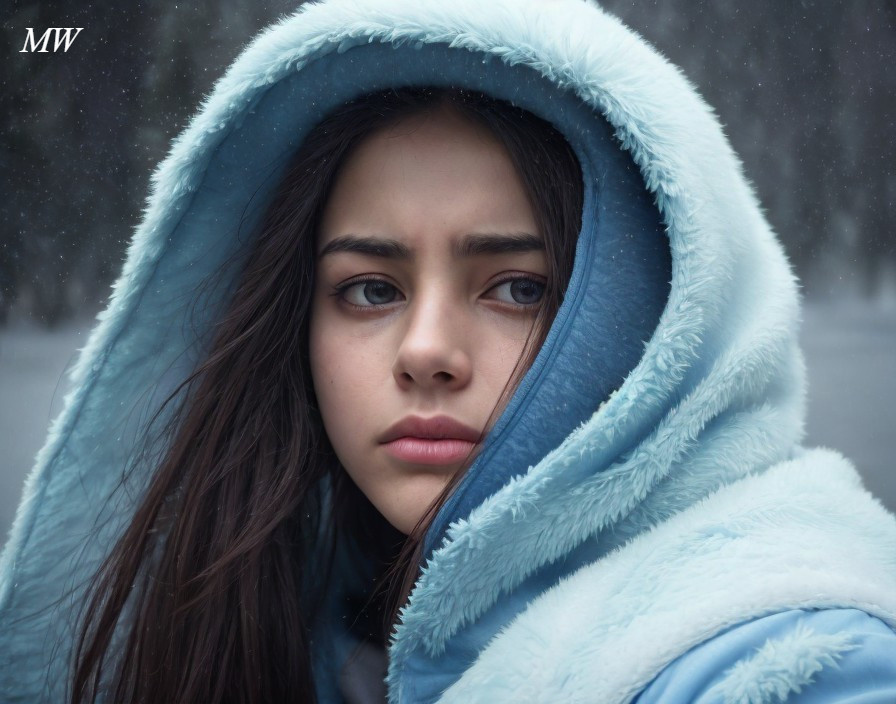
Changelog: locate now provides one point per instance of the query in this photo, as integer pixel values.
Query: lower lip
(428, 450)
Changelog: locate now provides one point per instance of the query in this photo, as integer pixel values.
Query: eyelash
(340, 290)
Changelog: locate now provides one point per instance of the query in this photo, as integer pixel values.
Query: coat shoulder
(799, 656)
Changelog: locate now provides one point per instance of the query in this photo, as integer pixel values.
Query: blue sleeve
(799, 657)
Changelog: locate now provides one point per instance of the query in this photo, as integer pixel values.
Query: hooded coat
(643, 523)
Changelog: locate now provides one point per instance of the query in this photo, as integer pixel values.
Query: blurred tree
(81, 131)
(67, 121)
(804, 89)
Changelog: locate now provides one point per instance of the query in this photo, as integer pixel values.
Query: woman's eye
(520, 292)
(369, 293)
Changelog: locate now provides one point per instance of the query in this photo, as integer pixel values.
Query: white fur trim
(802, 535)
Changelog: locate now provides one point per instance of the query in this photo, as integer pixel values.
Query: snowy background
(805, 89)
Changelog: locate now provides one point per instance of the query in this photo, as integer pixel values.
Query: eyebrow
(470, 246)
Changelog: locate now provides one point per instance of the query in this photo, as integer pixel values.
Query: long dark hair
(209, 594)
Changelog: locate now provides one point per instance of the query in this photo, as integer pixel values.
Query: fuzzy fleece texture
(715, 399)
(783, 667)
(801, 533)
(810, 656)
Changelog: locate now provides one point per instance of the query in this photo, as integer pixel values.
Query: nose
(433, 351)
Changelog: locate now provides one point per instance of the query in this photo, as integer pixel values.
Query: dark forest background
(806, 90)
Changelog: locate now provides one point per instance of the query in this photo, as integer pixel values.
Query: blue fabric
(863, 675)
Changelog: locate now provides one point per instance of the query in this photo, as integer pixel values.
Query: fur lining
(802, 535)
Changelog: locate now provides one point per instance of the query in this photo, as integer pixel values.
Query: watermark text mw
(63, 36)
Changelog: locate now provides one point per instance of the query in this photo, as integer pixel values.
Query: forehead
(434, 172)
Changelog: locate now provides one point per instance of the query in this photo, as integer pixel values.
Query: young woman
(453, 361)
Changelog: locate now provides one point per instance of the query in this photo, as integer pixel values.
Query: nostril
(432, 366)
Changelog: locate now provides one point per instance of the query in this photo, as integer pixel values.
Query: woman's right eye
(369, 293)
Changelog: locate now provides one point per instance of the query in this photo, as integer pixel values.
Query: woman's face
(430, 270)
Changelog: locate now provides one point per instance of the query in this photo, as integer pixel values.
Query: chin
(405, 507)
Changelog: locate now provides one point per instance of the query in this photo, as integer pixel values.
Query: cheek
(316, 345)
(502, 347)
(325, 362)
(342, 372)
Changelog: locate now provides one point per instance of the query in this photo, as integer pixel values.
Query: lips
(437, 428)
(438, 440)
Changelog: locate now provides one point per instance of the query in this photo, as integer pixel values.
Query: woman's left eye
(521, 291)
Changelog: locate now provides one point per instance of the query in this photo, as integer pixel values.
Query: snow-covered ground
(850, 352)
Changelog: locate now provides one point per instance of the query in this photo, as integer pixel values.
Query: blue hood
(671, 369)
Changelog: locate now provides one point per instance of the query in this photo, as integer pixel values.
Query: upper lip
(437, 427)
